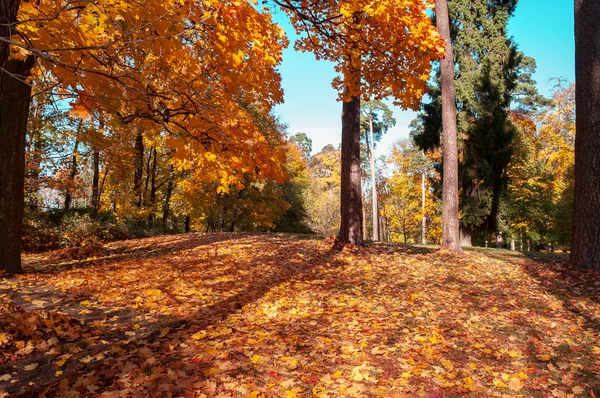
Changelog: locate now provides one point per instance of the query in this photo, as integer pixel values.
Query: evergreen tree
(491, 74)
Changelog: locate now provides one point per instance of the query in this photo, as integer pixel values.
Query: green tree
(376, 119)
(490, 75)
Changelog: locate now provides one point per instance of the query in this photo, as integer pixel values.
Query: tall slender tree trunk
(423, 218)
(168, 194)
(373, 181)
(586, 215)
(351, 194)
(364, 213)
(14, 110)
(152, 187)
(451, 234)
(72, 175)
(138, 164)
(95, 180)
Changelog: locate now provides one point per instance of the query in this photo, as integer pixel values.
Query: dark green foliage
(491, 74)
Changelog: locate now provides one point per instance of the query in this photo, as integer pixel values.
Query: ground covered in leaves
(287, 316)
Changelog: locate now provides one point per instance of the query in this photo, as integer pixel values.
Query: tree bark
(168, 194)
(95, 180)
(586, 216)
(8, 15)
(138, 164)
(373, 182)
(351, 195)
(72, 175)
(451, 234)
(423, 218)
(465, 237)
(14, 110)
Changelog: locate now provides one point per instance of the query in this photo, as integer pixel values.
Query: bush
(80, 230)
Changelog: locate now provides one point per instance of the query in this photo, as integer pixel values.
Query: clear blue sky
(543, 30)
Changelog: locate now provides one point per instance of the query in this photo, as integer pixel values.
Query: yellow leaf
(255, 358)
(577, 390)
(3, 338)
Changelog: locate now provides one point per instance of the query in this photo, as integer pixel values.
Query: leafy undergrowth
(281, 315)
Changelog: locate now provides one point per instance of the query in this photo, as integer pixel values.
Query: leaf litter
(261, 315)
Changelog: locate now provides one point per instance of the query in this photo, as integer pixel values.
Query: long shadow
(281, 268)
(119, 251)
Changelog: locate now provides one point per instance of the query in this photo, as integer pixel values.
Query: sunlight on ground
(279, 315)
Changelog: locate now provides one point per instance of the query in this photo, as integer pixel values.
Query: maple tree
(586, 225)
(139, 63)
(380, 50)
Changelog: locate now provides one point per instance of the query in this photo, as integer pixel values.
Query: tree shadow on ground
(125, 329)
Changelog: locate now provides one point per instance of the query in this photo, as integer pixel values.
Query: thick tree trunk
(138, 165)
(95, 180)
(465, 237)
(351, 195)
(586, 215)
(8, 15)
(451, 234)
(373, 182)
(14, 110)
(72, 175)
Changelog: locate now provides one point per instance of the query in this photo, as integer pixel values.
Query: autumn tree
(586, 218)
(380, 50)
(139, 61)
(376, 120)
(322, 195)
(409, 203)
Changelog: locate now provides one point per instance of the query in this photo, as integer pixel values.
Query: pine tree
(490, 75)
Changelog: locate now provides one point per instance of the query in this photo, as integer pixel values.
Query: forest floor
(280, 315)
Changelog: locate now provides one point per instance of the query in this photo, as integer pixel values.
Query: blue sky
(543, 30)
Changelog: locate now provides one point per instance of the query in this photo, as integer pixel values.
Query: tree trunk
(188, 222)
(451, 234)
(465, 237)
(586, 217)
(512, 244)
(351, 195)
(373, 182)
(8, 15)
(14, 110)
(364, 213)
(423, 218)
(168, 194)
(72, 175)
(95, 180)
(138, 164)
(152, 187)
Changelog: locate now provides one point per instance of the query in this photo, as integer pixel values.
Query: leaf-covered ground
(282, 315)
